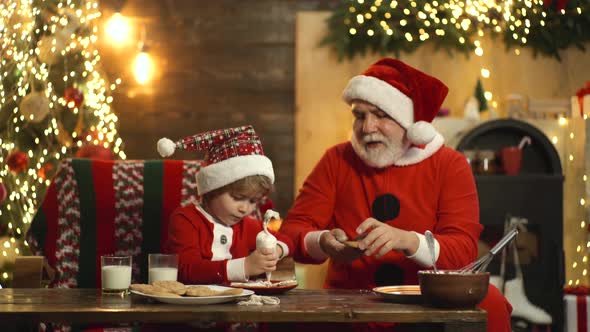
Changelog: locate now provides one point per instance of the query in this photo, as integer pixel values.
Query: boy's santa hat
(411, 97)
(232, 154)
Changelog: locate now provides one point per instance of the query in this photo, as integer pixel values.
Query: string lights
(577, 269)
(53, 101)
(358, 26)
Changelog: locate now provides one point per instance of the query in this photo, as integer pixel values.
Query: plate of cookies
(175, 292)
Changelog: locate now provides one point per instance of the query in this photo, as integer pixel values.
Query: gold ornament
(49, 48)
(35, 106)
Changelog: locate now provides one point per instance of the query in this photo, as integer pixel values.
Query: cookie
(152, 290)
(201, 291)
(232, 291)
(161, 291)
(354, 244)
(139, 287)
(172, 286)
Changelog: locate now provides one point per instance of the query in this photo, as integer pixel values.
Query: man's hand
(260, 261)
(382, 238)
(331, 244)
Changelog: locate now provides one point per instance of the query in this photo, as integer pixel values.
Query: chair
(96, 207)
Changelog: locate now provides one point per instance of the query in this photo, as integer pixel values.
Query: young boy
(216, 239)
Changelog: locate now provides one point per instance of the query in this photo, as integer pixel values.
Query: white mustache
(373, 138)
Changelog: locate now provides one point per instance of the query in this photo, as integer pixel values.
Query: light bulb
(142, 67)
(117, 29)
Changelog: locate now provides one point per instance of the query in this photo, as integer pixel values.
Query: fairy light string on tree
(53, 100)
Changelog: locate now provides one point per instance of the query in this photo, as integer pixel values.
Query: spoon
(430, 242)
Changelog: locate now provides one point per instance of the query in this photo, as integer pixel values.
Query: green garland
(360, 26)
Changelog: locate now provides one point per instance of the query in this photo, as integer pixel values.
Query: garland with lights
(54, 104)
(394, 26)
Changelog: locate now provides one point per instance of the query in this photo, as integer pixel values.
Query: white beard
(381, 157)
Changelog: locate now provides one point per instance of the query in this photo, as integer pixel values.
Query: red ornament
(3, 193)
(17, 161)
(92, 151)
(73, 95)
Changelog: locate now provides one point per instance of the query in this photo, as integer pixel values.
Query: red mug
(511, 159)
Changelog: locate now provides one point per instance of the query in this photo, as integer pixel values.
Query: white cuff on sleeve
(285, 248)
(422, 255)
(235, 269)
(312, 245)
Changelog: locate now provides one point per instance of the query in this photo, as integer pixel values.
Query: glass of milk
(162, 267)
(115, 274)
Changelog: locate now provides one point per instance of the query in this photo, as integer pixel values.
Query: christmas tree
(480, 95)
(55, 103)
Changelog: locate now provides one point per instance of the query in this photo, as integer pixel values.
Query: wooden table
(29, 306)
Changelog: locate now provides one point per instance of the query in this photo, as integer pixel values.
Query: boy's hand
(279, 251)
(260, 261)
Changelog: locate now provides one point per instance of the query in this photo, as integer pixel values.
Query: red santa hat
(232, 154)
(411, 97)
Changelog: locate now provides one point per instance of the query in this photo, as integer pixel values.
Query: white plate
(199, 299)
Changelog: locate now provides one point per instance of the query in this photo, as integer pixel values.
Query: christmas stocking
(514, 292)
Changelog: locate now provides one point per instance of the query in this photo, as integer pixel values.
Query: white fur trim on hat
(230, 170)
(421, 133)
(383, 95)
(416, 154)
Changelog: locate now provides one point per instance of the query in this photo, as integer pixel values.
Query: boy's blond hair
(253, 185)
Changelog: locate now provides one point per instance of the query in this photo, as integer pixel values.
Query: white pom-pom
(421, 133)
(166, 147)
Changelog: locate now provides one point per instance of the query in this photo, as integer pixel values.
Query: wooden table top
(298, 305)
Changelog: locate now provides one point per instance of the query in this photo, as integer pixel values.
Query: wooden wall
(220, 63)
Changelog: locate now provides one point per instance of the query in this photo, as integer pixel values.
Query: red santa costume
(430, 187)
(208, 250)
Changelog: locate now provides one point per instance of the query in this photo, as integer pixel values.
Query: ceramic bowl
(450, 289)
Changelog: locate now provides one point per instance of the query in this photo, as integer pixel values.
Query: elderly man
(386, 187)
